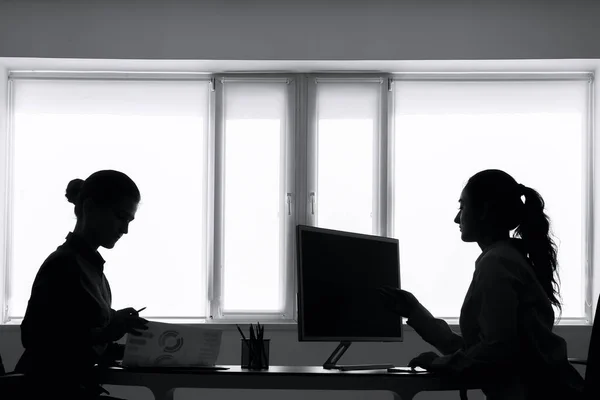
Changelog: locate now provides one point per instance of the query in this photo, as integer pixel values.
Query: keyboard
(359, 367)
(416, 370)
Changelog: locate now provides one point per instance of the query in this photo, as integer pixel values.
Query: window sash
(380, 152)
(287, 198)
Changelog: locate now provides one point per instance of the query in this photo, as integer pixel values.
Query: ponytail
(534, 231)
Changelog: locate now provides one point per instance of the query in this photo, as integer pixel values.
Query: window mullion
(209, 191)
(6, 179)
(588, 206)
(380, 167)
(288, 168)
(390, 163)
(218, 196)
(311, 202)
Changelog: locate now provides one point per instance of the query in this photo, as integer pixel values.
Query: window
(228, 165)
(154, 131)
(346, 154)
(446, 131)
(252, 278)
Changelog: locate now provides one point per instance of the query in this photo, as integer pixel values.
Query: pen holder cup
(258, 358)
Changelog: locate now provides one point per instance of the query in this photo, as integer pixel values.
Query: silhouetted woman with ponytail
(507, 316)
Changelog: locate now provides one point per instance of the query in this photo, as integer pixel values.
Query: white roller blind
(347, 131)
(445, 132)
(254, 139)
(154, 131)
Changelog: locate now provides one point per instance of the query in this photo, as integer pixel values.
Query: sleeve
(57, 309)
(435, 331)
(497, 288)
(114, 352)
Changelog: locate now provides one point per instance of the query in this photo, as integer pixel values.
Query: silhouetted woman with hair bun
(69, 325)
(507, 316)
(73, 189)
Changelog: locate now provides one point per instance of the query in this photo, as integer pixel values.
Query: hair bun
(73, 190)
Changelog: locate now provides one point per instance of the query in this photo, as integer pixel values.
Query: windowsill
(277, 326)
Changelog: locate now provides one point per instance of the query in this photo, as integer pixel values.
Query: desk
(163, 384)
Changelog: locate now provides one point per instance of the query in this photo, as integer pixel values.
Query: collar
(77, 243)
(492, 246)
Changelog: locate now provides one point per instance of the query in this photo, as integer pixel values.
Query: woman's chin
(109, 244)
(466, 238)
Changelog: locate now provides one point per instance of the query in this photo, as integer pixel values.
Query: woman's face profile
(109, 223)
(467, 219)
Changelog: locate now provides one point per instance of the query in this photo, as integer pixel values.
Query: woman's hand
(424, 360)
(399, 301)
(125, 321)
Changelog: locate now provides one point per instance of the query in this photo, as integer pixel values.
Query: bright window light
(154, 131)
(445, 132)
(254, 138)
(347, 125)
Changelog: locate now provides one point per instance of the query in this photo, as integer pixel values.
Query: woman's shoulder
(508, 249)
(503, 258)
(61, 263)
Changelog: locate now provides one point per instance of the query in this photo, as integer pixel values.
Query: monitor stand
(331, 362)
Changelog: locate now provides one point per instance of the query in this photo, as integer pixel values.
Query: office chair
(592, 371)
(11, 384)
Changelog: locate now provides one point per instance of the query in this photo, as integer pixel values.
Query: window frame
(300, 171)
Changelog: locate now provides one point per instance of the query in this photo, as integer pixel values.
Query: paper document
(173, 345)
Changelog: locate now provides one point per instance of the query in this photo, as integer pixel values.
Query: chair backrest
(592, 371)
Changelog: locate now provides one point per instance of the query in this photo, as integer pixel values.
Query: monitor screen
(338, 277)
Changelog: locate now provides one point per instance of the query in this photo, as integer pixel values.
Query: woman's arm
(435, 331)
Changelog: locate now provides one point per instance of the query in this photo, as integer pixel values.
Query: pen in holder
(255, 349)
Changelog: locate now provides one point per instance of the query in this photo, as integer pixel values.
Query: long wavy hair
(530, 223)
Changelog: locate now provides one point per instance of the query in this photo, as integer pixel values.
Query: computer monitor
(338, 277)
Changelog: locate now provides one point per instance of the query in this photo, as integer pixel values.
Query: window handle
(312, 203)
(289, 203)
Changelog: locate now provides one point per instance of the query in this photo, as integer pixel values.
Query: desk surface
(272, 370)
(162, 383)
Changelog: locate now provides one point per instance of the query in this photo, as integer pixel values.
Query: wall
(300, 29)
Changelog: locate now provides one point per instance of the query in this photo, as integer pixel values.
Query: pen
(261, 334)
(242, 333)
(248, 344)
(255, 345)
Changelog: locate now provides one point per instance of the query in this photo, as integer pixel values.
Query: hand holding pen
(126, 320)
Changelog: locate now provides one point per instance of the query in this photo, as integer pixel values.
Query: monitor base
(339, 351)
